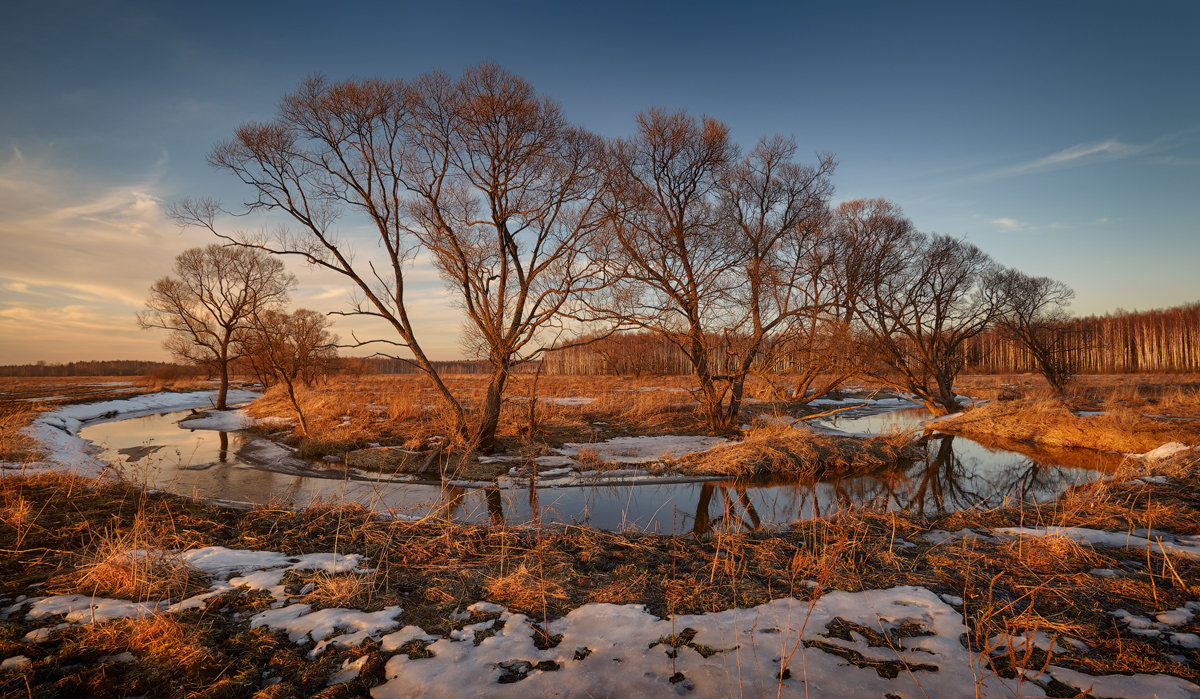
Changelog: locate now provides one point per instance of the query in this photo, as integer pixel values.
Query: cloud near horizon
(80, 256)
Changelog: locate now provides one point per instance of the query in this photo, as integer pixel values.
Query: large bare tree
(715, 252)
(779, 253)
(1033, 312)
(216, 292)
(919, 298)
(480, 172)
(671, 270)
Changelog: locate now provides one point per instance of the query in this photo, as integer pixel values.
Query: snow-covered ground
(58, 430)
(785, 647)
(1183, 545)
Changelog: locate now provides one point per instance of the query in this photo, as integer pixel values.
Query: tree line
(1122, 342)
(551, 237)
(113, 367)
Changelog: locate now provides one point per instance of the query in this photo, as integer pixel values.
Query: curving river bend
(956, 474)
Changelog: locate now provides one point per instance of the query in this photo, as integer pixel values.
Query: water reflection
(955, 474)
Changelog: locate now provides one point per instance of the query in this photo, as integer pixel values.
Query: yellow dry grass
(341, 590)
(15, 446)
(787, 450)
(1051, 421)
(131, 563)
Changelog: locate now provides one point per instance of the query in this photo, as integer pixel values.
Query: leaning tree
(215, 293)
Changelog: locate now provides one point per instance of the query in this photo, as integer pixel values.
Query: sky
(1063, 138)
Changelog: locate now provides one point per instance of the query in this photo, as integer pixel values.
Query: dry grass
(779, 450)
(15, 446)
(351, 590)
(132, 563)
(1050, 421)
(1012, 587)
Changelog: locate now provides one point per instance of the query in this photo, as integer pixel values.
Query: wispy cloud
(1077, 155)
(1009, 225)
(80, 253)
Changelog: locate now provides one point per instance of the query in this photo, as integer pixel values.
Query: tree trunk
(491, 409)
(296, 406)
(223, 393)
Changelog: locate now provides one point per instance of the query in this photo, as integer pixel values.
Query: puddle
(956, 474)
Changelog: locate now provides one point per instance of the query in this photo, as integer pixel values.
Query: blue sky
(1062, 138)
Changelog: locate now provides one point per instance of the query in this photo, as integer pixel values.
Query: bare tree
(781, 258)
(215, 293)
(1033, 312)
(715, 252)
(673, 253)
(480, 172)
(290, 349)
(922, 297)
(506, 200)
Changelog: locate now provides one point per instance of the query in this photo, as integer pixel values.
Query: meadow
(110, 588)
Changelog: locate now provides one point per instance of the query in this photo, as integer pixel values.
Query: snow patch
(622, 650)
(221, 420)
(642, 450)
(1183, 545)
(86, 609)
(58, 430)
(16, 662)
(1165, 451)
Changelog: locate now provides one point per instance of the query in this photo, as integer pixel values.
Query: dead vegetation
(786, 450)
(65, 535)
(1116, 426)
(15, 445)
(1013, 588)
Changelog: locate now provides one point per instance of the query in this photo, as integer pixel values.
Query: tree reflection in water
(956, 474)
(737, 511)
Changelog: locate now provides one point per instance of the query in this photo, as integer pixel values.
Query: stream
(955, 474)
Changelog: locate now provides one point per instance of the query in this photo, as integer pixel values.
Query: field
(111, 589)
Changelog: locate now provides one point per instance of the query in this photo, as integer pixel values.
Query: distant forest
(115, 367)
(1146, 341)
(1123, 342)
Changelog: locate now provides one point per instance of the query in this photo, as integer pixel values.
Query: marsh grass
(787, 450)
(1050, 421)
(16, 447)
(1012, 589)
(132, 563)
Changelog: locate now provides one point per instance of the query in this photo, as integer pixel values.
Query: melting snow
(222, 420)
(17, 662)
(302, 624)
(619, 650)
(86, 609)
(642, 450)
(350, 670)
(624, 650)
(58, 430)
(1165, 451)
(1183, 545)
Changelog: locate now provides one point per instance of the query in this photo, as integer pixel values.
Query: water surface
(955, 474)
